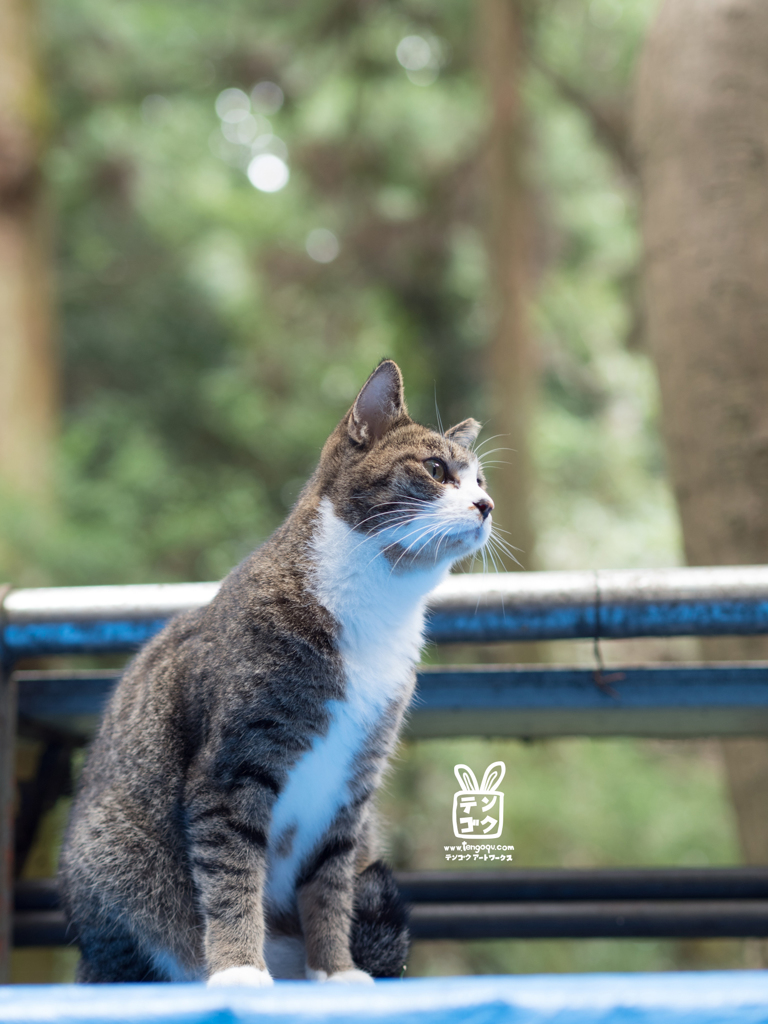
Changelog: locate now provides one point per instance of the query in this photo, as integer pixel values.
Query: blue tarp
(736, 997)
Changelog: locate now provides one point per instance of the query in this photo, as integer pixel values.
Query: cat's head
(418, 494)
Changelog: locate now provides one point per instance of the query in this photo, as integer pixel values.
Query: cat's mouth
(431, 546)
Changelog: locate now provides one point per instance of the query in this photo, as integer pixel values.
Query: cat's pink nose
(483, 506)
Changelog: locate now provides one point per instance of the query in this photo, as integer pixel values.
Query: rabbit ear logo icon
(478, 810)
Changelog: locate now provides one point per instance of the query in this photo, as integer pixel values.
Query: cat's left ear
(380, 403)
(464, 433)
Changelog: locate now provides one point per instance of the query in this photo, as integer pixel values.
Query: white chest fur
(381, 615)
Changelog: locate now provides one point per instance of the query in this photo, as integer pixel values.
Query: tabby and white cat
(224, 827)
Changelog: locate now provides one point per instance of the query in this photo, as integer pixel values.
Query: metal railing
(670, 700)
(467, 608)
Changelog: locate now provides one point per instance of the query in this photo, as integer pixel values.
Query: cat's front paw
(349, 977)
(253, 977)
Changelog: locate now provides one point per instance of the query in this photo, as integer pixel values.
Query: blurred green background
(253, 202)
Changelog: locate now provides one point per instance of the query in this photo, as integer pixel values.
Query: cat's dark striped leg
(326, 886)
(228, 843)
(325, 895)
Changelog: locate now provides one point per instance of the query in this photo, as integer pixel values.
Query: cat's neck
(352, 577)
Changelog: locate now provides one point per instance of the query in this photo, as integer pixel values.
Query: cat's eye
(436, 469)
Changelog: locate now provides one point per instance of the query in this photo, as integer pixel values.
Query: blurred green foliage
(205, 355)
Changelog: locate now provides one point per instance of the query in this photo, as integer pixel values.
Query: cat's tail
(380, 937)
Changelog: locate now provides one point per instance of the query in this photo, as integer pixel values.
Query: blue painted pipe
(30, 639)
(499, 700)
(466, 608)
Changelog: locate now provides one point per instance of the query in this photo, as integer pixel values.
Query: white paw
(253, 977)
(350, 977)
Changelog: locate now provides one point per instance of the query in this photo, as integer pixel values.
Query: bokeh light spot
(421, 57)
(244, 131)
(268, 173)
(233, 105)
(322, 245)
(267, 98)
(414, 53)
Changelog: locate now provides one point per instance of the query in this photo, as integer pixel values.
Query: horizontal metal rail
(650, 919)
(582, 884)
(466, 608)
(534, 701)
(551, 903)
(500, 700)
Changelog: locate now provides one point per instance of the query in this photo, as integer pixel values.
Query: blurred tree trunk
(508, 211)
(27, 365)
(701, 125)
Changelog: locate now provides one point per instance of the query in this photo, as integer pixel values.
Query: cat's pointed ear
(464, 433)
(380, 403)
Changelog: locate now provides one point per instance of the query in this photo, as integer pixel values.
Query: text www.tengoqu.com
(478, 851)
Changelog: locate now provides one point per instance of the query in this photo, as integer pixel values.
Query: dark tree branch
(610, 125)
